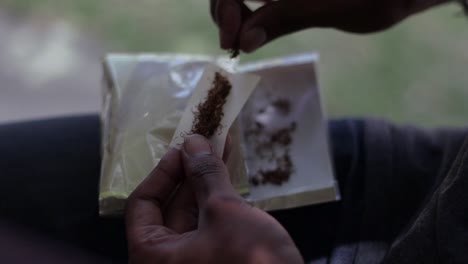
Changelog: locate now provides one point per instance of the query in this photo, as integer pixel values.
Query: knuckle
(163, 166)
(150, 246)
(206, 166)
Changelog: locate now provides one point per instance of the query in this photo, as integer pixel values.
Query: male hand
(247, 30)
(205, 221)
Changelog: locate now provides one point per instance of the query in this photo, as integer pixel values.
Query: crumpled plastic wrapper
(145, 97)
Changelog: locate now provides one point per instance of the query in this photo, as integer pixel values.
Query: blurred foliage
(415, 72)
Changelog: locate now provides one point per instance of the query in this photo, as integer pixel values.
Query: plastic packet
(144, 99)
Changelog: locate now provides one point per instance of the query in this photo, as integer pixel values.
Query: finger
(213, 4)
(206, 172)
(145, 203)
(280, 18)
(182, 213)
(228, 16)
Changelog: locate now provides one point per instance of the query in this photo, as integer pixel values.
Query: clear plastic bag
(145, 97)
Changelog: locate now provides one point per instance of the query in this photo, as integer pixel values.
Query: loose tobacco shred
(266, 145)
(281, 174)
(209, 113)
(234, 53)
(283, 105)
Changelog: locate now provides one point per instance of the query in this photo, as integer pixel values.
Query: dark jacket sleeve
(405, 200)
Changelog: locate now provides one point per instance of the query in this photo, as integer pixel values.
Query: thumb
(280, 18)
(204, 170)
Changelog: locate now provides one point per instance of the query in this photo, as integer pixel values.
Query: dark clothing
(49, 178)
(404, 193)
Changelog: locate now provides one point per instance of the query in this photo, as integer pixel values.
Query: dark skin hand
(205, 221)
(241, 28)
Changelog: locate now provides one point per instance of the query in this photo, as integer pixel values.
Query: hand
(247, 30)
(205, 221)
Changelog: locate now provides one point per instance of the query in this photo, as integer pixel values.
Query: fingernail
(253, 39)
(197, 145)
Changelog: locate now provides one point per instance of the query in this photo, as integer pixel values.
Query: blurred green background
(416, 72)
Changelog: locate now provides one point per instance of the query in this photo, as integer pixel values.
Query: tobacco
(234, 53)
(273, 146)
(209, 113)
(283, 105)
